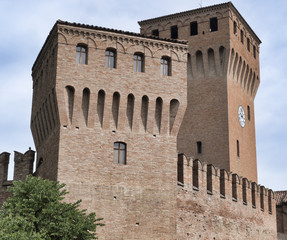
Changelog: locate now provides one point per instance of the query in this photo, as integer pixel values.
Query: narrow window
(180, 177)
(70, 95)
(144, 111)
(120, 149)
(254, 51)
(158, 113)
(85, 104)
(174, 32)
(138, 62)
(222, 182)
(199, 147)
(130, 109)
(193, 28)
(101, 106)
(234, 28)
(155, 32)
(241, 36)
(115, 107)
(248, 44)
(262, 191)
(209, 178)
(248, 113)
(81, 54)
(110, 58)
(253, 195)
(234, 186)
(165, 66)
(237, 146)
(213, 24)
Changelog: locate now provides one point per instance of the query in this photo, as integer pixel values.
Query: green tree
(35, 211)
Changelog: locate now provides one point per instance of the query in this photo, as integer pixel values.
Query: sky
(26, 24)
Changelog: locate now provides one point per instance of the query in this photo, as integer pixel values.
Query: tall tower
(223, 77)
(107, 108)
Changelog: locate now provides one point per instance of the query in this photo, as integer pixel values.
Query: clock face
(241, 116)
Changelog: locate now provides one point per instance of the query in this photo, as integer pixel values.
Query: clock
(241, 116)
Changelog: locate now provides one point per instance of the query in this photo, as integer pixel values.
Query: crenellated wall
(23, 166)
(215, 204)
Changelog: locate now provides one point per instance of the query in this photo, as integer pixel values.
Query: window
(174, 32)
(120, 152)
(199, 147)
(248, 113)
(237, 145)
(110, 58)
(213, 24)
(165, 66)
(155, 32)
(138, 62)
(81, 54)
(248, 44)
(193, 28)
(254, 51)
(241, 36)
(235, 28)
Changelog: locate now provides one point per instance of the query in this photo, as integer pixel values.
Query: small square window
(193, 29)
(174, 32)
(213, 24)
(155, 32)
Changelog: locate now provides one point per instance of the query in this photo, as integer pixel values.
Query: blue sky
(26, 24)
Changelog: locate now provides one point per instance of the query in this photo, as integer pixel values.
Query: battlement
(194, 175)
(23, 166)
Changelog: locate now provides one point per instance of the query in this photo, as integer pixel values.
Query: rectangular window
(138, 62)
(199, 147)
(254, 51)
(248, 44)
(235, 28)
(120, 153)
(174, 32)
(193, 28)
(213, 24)
(248, 113)
(110, 59)
(241, 36)
(165, 66)
(237, 146)
(81, 54)
(155, 32)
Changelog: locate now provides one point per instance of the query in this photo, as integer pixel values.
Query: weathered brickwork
(155, 155)
(23, 166)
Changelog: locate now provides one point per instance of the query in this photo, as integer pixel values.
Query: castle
(154, 131)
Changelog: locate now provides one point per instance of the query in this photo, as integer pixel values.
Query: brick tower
(107, 108)
(223, 77)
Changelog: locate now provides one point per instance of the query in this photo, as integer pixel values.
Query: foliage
(36, 211)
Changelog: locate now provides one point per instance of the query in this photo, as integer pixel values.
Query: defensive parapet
(23, 167)
(218, 202)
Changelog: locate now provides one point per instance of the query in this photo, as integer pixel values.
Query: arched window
(110, 58)
(165, 66)
(81, 54)
(120, 150)
(138, 62)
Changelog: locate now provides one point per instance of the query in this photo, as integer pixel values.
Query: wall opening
(253, 194)
(213, 24)
(195, 174)
(193, 29)
(174, 105)
(70, 95)
(211, 61)
(222, 182)
(115, 108)
(234, 187)
(101, 106)
(85, 104)
(209, 178)
(130, 109)
(180, 171)
(174, 32)
(199, 63)
(144, 111)
(158, 113)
